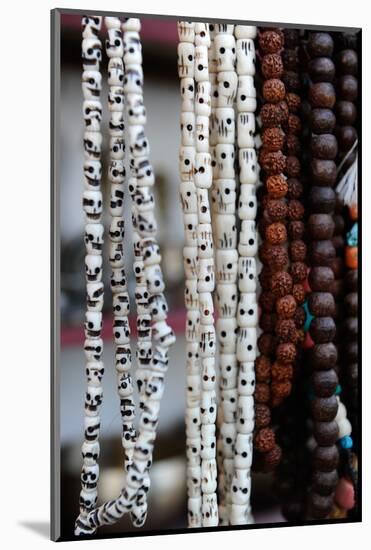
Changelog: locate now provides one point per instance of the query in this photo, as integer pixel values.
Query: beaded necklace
(138, 457)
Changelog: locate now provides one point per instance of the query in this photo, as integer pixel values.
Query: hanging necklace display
(93, 207)
(225, 230)
(138, 457)
(247, 311)
(188, 196)
(324, 405)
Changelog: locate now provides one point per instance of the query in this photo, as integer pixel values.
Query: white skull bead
(226, 238)
(202, 35)
(93, 400)
(118, 280)
(206, 276)
(190, 257)
(229, 404)
(133, 80)
(139, 145)
(123, 358)
(225, 159)
(243, 451)
(186, 31)
(191, 296)
(227, 88)
(114, 44)
(90, 452)
(193, 447)
(247, 314)
(187, 128)
(94, 372)
(228, 432)
(93, 349)
(226, 265)
(187, 93)
(136, 109)
(163, 334)
(225, 49)
(203, 171)
(245, 56)
(208, 407)
(132, 48)
(158, 307)
(203, 207)
(121, 304)
(93, 268)
(92, 145)
(91, 428)
(187, 158)
(115, 72)
(94, 238)
(186, 56)
(160, 359)
(88, 500)
(121, 330)
(193, 419)
(226, 297)
(202, 134)
(245, 130)
(91, 25)
(241, 486)
(194, 481)
(246, 345)
(124, 384)
(94, 296)
(246, 379)
(223, 196)
(201, 67)
(116, 173)
(225, 121)
(92, 174)
(131, 24)
(205, 240)
(247, 274)
(91, 53)
(154, 279)
(188, 197)
(92, 113)
(245, 31)
(245, 414)
(91, 84)
(203, 99)
(208, 374)
(227, 334)
(246, 94)
(247, 203)
(248, 166)
(194, 512)
(193, 391)
(192, 325)
(209, 510)
(248, 245)
(116, 98)
(206, 307)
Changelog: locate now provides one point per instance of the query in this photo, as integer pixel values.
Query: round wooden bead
(298, 271)
(351, 328)
(351, 280)
(293, 102)
(290, 59)
(286, 331)
(324, 483)
(270, 41)
(321, 506)
(322, 121)
(324, 146)
(274, 90)
(322, 330)
(351, 352)
(351, 303)
(293, 166)
(278, 258)
(321, 252)
(324, 409)
(346, 112)
(347, 61)
(324, 356)
(346, 136)
(320, 44)
(326, 459)
(286, 307)
(293, 145)
(272, 66)
(292, 80)
(321, 226)
(272, 162)
(262, 393)
(276, 233)
(281, 284)
(277, 209)
(324, 172)
(295, 188)
(298, 251)
(262, 369)
(321, 69)
(276, 186)
(325, 382)
(262, 415)
(326, 433)
(321, 304)
(264, 440)
(296, 230)
(321, 279)
(322, 94)
(321, 199)
(347, 88)
(286, 353)
(271, 459)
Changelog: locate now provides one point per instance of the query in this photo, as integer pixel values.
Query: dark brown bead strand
(347, 91)
(275, 300)
(322, 252)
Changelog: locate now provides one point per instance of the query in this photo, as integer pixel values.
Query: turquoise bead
(352, 236)
(308, 317)
(338, 389)
(346, 442)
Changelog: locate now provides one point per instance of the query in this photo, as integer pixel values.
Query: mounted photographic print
(205, 192)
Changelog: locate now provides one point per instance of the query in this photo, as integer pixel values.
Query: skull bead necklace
(154, 335)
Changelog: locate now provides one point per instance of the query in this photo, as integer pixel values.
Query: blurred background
(167, 501)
